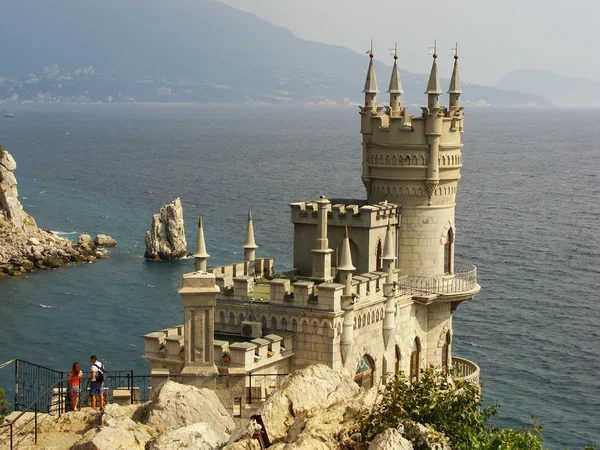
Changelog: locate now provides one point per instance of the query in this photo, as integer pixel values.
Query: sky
(495, 36)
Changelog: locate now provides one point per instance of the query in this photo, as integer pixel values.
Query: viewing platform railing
(464, 279)
(463, 369)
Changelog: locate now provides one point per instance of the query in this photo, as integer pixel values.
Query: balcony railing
(464, 279)
(463, 369)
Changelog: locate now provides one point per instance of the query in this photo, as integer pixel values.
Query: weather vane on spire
(394, 51)
(455, 51)
(433, 50)
(370, 51)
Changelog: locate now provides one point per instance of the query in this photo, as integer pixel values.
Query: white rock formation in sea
(102, 240)
(25, 247)
(166, 238)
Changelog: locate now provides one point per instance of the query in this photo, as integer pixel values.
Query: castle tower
(249, 244)
(321, 267)
(370, 89)
(346, 268)
(395, 88)
(200, 255)
(415, 162)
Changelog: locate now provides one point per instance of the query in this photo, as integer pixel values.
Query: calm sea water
(528, 215)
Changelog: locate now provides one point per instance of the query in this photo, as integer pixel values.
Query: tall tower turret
(249, 244)
(370, 89)
(389, 257)
(454, 89)
(395, 88)
(321, 267)
(200, 255)
(345, 269)
(415, 162)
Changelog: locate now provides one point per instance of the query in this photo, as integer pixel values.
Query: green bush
(3, 406)
(451, 411)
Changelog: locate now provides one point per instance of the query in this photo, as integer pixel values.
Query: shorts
(97, 388)
(74, 389)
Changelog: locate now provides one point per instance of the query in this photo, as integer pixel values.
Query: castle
(374, 283)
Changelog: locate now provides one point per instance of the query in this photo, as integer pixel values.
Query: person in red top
(75, 385)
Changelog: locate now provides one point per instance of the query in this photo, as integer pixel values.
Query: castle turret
(389, 291)
(455, 90)
(433, 86)
(321, 267)
(249, 244)
(200, 255)
(346, 268)
(395, 88)
(370, 89)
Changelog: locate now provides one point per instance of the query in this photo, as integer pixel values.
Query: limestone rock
(11, 210)
(85, 239)
(103, 240)
(176, 405)
(199, 436)
(124, 435)
(166, 239)
(314, 387)
(390, 439)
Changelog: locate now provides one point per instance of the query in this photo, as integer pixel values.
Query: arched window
(284, 324)
(448, 251)
(446, 352)
(414, 359)
(273, 323)
(378, 255)
(364, 372)
(398, 359)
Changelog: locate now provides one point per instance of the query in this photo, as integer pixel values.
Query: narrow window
(446, 351)
(414, 359)
(448, 252)
(364, 372)
(398, 359)
(379, 254)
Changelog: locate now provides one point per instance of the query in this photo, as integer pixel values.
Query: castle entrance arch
(364, 372)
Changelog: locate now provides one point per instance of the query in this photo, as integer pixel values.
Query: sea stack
(166, 238)
(25, 247)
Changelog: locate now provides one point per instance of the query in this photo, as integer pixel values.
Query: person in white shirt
(96, 387)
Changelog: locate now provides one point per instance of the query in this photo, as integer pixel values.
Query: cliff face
(25, 247)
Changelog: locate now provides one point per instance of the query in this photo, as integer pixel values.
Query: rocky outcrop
(198, 435)
(23, 246)
(177, 405)
(166, 238)
(103, 240)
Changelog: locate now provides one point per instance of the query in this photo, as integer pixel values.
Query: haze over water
(527, 216)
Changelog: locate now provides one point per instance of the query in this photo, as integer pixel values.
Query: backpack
(99, 374)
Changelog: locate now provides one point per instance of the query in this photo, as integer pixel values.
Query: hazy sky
(495, 36)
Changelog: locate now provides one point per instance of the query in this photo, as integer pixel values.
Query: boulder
(120, 435)
(85, 239)
(390, 439)
(199, 436)
(166, 238)
(312, 388)
(103, 240)
(176, 405)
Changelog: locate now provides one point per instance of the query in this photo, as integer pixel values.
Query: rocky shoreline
(23, 246)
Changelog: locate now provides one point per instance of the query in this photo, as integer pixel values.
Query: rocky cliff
(166, 238)
(25, 247)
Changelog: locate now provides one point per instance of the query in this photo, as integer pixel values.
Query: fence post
(131, 388)
(35, 426)
(16, 390)
(11, 436)
(249, 388)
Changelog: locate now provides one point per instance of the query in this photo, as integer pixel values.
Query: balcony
(463, 369)
(463, 280)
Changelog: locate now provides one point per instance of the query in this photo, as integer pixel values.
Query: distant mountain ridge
(183, 50)
(562, 90)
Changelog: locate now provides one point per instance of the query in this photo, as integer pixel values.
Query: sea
(528, 215)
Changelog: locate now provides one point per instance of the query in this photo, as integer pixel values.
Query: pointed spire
(433, 86)
(395, 84)
(346, 259)
(455, 80)
(249, 242)
(371, 81)
(200, 244)
(388, 246)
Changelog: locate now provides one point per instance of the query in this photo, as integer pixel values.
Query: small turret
(200, 255)
(455, 90)
(249, 244)
(321, 267)
(389, 254)
(433, 86)
(370, 89)
(395, 88)
(346, 268)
